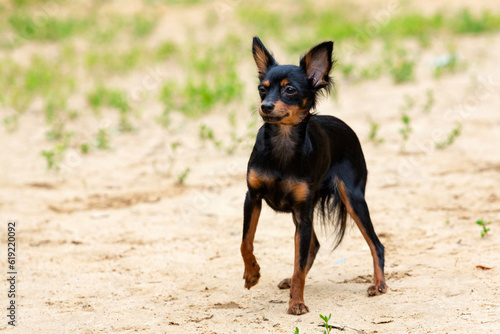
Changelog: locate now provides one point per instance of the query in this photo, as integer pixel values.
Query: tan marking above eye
(284, 82)
(266, 83)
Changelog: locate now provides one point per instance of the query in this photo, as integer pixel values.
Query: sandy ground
(112, 243)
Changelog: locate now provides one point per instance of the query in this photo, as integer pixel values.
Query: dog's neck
(285, 138)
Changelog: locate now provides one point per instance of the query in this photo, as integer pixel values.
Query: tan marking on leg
(296, 304)
(378, 277)
(287, 282)
(252, 268)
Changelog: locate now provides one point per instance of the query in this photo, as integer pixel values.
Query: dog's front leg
(251, 213)
(303, 236)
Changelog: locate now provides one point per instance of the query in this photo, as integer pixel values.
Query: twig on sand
(343, 328)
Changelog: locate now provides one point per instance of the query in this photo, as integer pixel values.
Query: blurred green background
(69, 63)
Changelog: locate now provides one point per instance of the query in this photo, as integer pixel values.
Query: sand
(113, 244)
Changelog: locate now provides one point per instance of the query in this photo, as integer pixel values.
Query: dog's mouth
(274, 119)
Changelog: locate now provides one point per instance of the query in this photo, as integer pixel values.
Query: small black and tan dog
(302, 162)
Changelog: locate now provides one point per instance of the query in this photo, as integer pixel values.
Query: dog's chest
(281, 194)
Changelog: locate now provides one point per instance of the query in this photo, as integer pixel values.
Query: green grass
(450, 139)
(41, 78)
(465, 22)
(406, 128)
(44, 77)
(85, 148)
(102, 96)
(11, 122)
(484, 229)
(165, 50)
(373, 135)
(328, 327)
(344, 22)
(401, 66)
(47, 28)
(102, 139)
(448, 64)
(55, 156)
(113, 98)
(212, 79)
(143, 25)
(430, 100)
(183, 176)
(30, 25)
(111, 61)
(97, 49)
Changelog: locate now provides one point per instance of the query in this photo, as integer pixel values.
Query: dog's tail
(331, 210)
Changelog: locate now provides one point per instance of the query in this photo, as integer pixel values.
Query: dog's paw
(252, 276)
(285, 284)
(375, 290)
(298, 309)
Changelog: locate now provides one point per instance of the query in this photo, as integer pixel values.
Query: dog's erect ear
(317, 63)
(263, 58)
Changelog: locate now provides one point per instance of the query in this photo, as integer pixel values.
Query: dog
(301, 163)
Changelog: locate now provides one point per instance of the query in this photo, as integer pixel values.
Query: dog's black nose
(267, 107)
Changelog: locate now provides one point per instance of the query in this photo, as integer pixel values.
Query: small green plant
(206, 132)
(429, 102)
(85, 148)
(164, 118)
(483, 224)
(165, 50)
(143, 25)
(328, 328)
(11, 122)
(50, 158)
(296, 330)
(446, 64)
(347, 69)
(457, 130)
(55, 156)
(212, 79)
(401, 67)
(184, 175)
(103, 139)
(371, 72)
(409, 103)
(406, 129)
(373, 135)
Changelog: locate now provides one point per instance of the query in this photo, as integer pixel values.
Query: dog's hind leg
(251, 215)
(354, 200)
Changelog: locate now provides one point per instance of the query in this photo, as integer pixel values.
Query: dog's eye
(290, 90)
(262, 91)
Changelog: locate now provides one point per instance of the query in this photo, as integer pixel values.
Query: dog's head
(289, 92)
